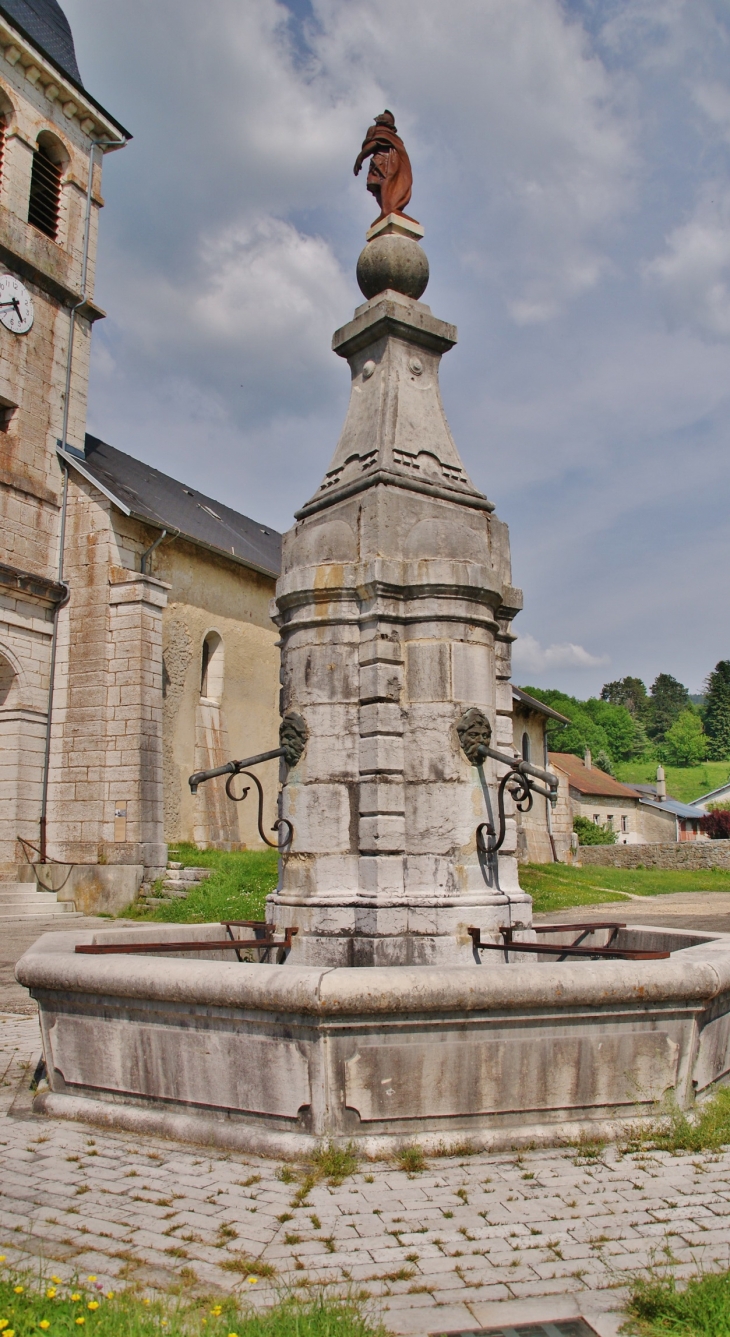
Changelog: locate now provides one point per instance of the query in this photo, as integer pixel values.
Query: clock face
(16, 307)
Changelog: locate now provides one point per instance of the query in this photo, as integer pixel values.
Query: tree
(717, 710)
(716, 824)
(628, 692)
(668, 699)
(590, 833)
(595, 724)
(685, 743)
(604, 763)
(619, 726)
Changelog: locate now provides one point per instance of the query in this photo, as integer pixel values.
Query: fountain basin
(272, 1060)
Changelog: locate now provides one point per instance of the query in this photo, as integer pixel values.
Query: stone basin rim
(695, 973)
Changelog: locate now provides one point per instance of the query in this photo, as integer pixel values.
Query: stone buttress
(394, 607)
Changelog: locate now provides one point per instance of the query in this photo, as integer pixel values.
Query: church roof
(148, 495)
(44, 22)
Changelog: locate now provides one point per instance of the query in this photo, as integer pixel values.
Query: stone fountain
(364, 1008)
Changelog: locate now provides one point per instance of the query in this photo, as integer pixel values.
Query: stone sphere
(392, 262)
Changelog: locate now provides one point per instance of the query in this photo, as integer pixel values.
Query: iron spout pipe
(518, 764)
(233, 767)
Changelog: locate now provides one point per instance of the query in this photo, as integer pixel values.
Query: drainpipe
(149, 551)
(548, 804)
(99, 143)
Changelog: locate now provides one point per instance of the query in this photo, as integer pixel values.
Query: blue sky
(571, 172)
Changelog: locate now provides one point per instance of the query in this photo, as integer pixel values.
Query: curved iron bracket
(520, 778)
(280, 821)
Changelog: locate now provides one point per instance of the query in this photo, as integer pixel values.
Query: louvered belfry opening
(45, 192)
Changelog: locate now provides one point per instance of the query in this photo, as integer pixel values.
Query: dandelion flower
(9, 1332)
(252, 1281)
(3, 1323)
(56, 1281)
(2, 1257)
(81, 1320)
(44, 1324)
(91, 1278)
(216, 1310)
(18, 1289)
(93, 1304)
(110, 1295)
(145, 1300)
(233, 1334)
(76, 1296)
(51, 1293)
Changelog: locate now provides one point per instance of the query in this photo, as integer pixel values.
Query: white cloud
(693, 273)
(528, 656)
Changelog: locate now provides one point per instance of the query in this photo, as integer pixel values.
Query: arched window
(211, 677)
(8, 681)
(6, 112)
(525, 746)
(49, 161)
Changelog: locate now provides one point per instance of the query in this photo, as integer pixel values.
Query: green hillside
(685, 783)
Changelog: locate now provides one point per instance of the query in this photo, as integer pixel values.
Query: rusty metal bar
(230, 944)
(545, 949)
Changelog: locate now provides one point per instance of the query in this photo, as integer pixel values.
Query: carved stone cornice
(15, 581)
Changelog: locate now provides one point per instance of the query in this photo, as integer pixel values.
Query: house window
(211, 676)
(609, 821)
(45, 186)
(624, 824)
(525, 747)
(597, 818)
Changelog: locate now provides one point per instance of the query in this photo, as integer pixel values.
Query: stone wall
(679, 854)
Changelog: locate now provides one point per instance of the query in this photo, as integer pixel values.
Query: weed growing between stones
(29, 1307)
(707, 1129)
(700, 1309)
(411, 1159)
(335, 1163)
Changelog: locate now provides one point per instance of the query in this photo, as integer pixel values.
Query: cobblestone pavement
(556, 1230)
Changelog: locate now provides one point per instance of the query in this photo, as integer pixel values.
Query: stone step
(176, 875)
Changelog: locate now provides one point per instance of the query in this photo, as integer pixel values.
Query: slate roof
(532, 703)
(673, 805)
(45, 23)
(148, 495)
(590, 781)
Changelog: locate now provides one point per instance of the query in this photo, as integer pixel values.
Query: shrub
(716, 824)
(590, 833)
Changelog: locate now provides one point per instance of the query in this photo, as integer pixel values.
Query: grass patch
(683, 782)
(706, 1129)
(411, 1159)
(236, 889)
(248, 1267)
(30, 1308)
(335, 1163)
(556, 886)
(700, 1309)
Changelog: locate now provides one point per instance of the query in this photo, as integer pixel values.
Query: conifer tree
(669, 699)
(717, 710)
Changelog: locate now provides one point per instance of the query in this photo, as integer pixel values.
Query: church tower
(53, 137)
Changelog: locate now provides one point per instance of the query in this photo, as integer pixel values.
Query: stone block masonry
(689, 854)
(394, 607)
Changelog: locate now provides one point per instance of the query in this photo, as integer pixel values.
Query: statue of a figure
(390, 178)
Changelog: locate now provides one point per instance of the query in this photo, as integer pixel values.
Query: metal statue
(390, 178)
